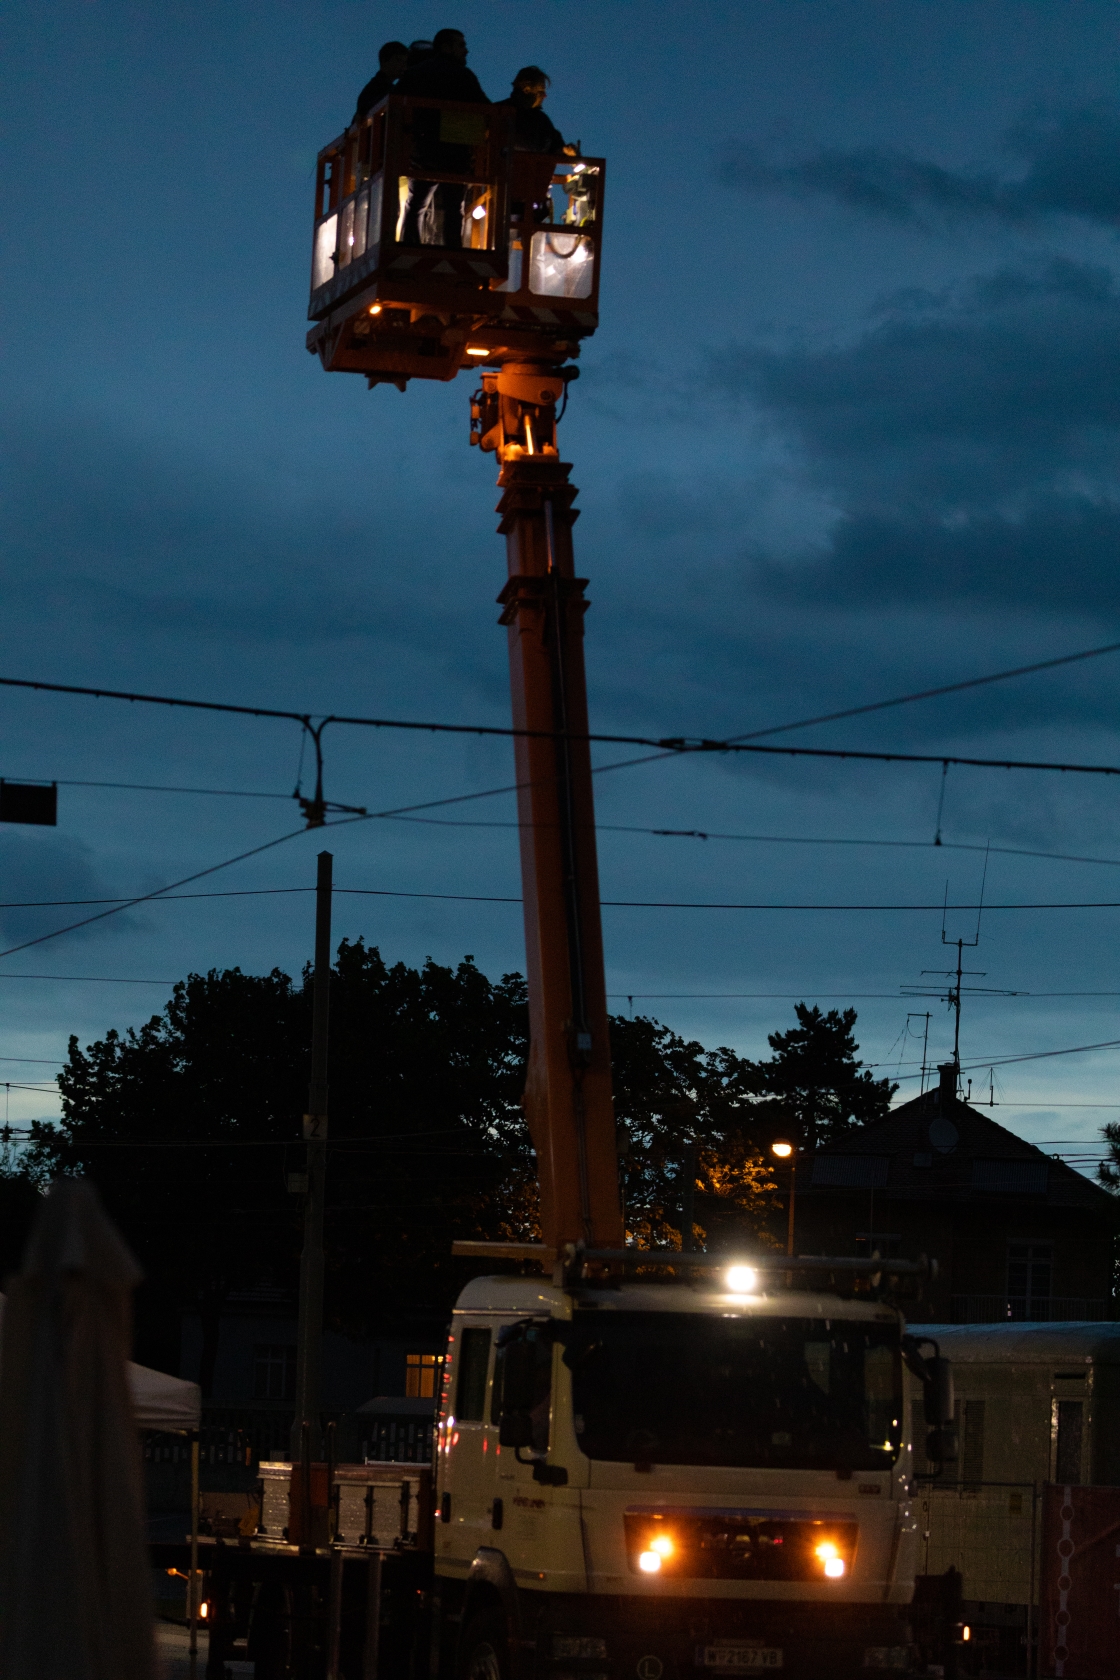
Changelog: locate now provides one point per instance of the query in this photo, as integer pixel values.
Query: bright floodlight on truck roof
(741, 1279)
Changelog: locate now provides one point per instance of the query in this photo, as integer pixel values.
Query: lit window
(420, 1374)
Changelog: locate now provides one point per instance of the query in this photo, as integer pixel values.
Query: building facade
(1017, 1234)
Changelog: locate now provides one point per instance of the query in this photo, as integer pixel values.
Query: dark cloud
(42, 868)
(1061, 556)
(105, 529)
(997, 402)
(967, 444)
(1072, 169)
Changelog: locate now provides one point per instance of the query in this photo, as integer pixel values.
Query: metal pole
(792, 1195)
(192, 1580)
(1034, 1629)
(373, 1619)
(334, 1614)
(688, 1198)
(309, 1341)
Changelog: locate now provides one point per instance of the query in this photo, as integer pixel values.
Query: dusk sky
(850, 428)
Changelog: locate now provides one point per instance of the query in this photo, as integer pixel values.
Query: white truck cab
(651, 1481)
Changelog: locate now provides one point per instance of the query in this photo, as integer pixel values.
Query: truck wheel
(485, 1650)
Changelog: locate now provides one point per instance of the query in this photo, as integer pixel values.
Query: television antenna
(952, 993)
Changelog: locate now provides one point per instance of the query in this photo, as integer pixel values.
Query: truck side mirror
(515, 1428)
(941, 1446)
(940, 1401)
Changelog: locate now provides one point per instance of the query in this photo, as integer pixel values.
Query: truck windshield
(688, 1388)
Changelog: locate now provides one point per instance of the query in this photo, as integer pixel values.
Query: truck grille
(740, 1545)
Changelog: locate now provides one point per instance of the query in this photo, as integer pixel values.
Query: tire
(485, 1648)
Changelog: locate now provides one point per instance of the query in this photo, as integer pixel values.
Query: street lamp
(788, 1152)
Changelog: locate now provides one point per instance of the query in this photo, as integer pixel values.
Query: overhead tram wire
(167, 895)
(402, 815)
(785, 839)
(786, 997)
(804, 994)
(666, 745)
(89, 979)
(933, 693)
(156, 893)
(1030, 1056)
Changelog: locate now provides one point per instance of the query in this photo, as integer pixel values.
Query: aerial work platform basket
(438, 245)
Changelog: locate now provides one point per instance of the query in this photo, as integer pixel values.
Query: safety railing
(426, 200)
(414, 173)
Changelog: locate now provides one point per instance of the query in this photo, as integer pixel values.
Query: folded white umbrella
(75, 1586)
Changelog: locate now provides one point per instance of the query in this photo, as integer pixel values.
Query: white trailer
(1035, 1403)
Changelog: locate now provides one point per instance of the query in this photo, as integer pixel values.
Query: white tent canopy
(159, 1401)
(163, 1402)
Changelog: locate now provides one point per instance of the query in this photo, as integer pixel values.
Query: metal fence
(987, 1530)
(242, 1437)
(398, 1440)
(991, 1533)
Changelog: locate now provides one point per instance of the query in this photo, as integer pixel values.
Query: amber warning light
(829, 1554)
(660, 1547)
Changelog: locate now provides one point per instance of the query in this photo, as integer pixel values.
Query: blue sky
(849, 429)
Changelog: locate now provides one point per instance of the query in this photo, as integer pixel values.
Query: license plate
(737, 1657)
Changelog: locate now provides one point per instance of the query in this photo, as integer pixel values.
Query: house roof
(940, 1148)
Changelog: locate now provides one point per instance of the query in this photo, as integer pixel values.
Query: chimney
(947, 1089)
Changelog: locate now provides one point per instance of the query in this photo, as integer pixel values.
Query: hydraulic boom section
(568, 1101)
(504, 280)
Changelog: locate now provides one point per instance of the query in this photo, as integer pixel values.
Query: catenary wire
(304, 717)
(1031, 1056)
(91, 979)
(167, 895)
(637, 997)
(616, 828)
(666, 744)
(933, 693)
(144, 898)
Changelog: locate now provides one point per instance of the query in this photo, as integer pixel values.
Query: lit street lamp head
(782, 1150)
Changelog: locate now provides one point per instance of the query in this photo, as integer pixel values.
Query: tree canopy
(1108, 1171)
(190, 1127)
(814, 1079)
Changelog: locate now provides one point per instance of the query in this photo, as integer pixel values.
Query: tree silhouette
(190, 1126)
(814, 1083)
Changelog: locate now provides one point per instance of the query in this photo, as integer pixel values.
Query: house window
(420, 1374)
(886, 1243)
(1029, 1269)
(274, 1372)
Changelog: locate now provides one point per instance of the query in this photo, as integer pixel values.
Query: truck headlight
(741, 1279)
(831, 1561)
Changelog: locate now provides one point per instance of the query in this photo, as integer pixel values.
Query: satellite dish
(943, 1135)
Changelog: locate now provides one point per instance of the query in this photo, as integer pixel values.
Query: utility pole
(688, 1198)
(309, 1340)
